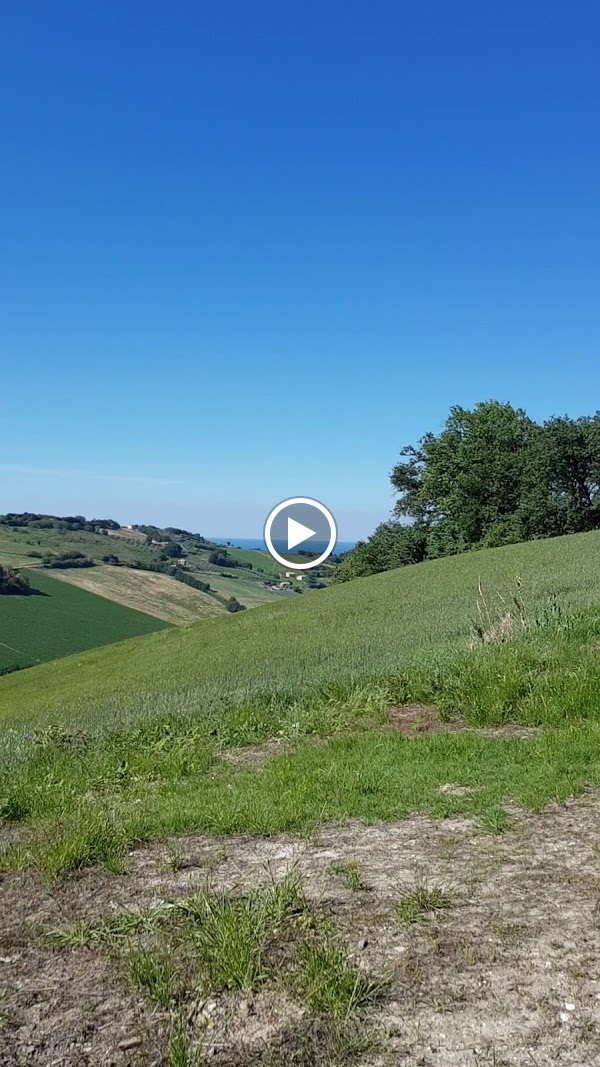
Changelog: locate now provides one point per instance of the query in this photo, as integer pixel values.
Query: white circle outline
(273, 515)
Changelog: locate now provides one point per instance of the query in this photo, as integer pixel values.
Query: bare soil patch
(411, 719)
(418, 719)
(509, 974)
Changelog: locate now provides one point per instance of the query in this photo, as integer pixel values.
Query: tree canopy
(493, 476)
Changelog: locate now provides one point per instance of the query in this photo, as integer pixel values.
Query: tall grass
(353, 635)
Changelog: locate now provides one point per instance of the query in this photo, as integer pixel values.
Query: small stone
(569, 1006)
(564, 1017)
(130, 1042)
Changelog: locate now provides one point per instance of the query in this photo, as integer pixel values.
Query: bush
(234, 605)
(67, 561)
(13, 584)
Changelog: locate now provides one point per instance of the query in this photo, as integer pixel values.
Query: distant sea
(257, 542)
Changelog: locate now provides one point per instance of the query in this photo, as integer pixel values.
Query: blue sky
(250, 249)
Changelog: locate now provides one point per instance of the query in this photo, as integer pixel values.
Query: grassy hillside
(345, 636)
(62, 619)
(155, 594)
(23, 546)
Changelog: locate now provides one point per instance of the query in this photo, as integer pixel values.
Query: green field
(348, 635)
(61, 620)
(262, 561)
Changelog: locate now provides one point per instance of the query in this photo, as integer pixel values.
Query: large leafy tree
(469, 476)
(491, 477)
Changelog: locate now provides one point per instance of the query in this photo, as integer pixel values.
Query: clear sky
(250, 248)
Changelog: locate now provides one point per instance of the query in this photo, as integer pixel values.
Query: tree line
(492, 477)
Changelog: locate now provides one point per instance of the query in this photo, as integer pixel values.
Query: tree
(219, 557)
(172, 551)
(491, 477)
(393, 544)
(468, 477)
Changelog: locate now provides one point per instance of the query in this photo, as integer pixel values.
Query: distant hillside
(216, 571)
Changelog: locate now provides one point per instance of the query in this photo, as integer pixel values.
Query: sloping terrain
(346, 635)
(59, 619)
(154, 594)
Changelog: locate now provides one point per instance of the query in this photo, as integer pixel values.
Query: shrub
(233, 605)
(13, 584)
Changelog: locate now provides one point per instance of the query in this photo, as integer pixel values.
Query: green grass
(370, 778)
(343, 637)
(155, 976)
(422, 900)
(16, 545)
(350, 873)
(247, 590)
(61, 620)
(86, 774)
(332, 986)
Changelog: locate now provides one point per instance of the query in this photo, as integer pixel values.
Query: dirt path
(509, 975)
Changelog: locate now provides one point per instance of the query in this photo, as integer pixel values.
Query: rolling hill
(343, 636)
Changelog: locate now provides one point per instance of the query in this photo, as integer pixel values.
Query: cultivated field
(354, 828)
(60, 620)
(154, 594)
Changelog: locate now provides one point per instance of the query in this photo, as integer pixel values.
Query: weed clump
(417, 903)
(332, 985)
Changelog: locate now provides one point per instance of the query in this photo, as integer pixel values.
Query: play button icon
(300, 533)
(297, 533)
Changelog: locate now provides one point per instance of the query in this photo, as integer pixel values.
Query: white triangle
(297, 533)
